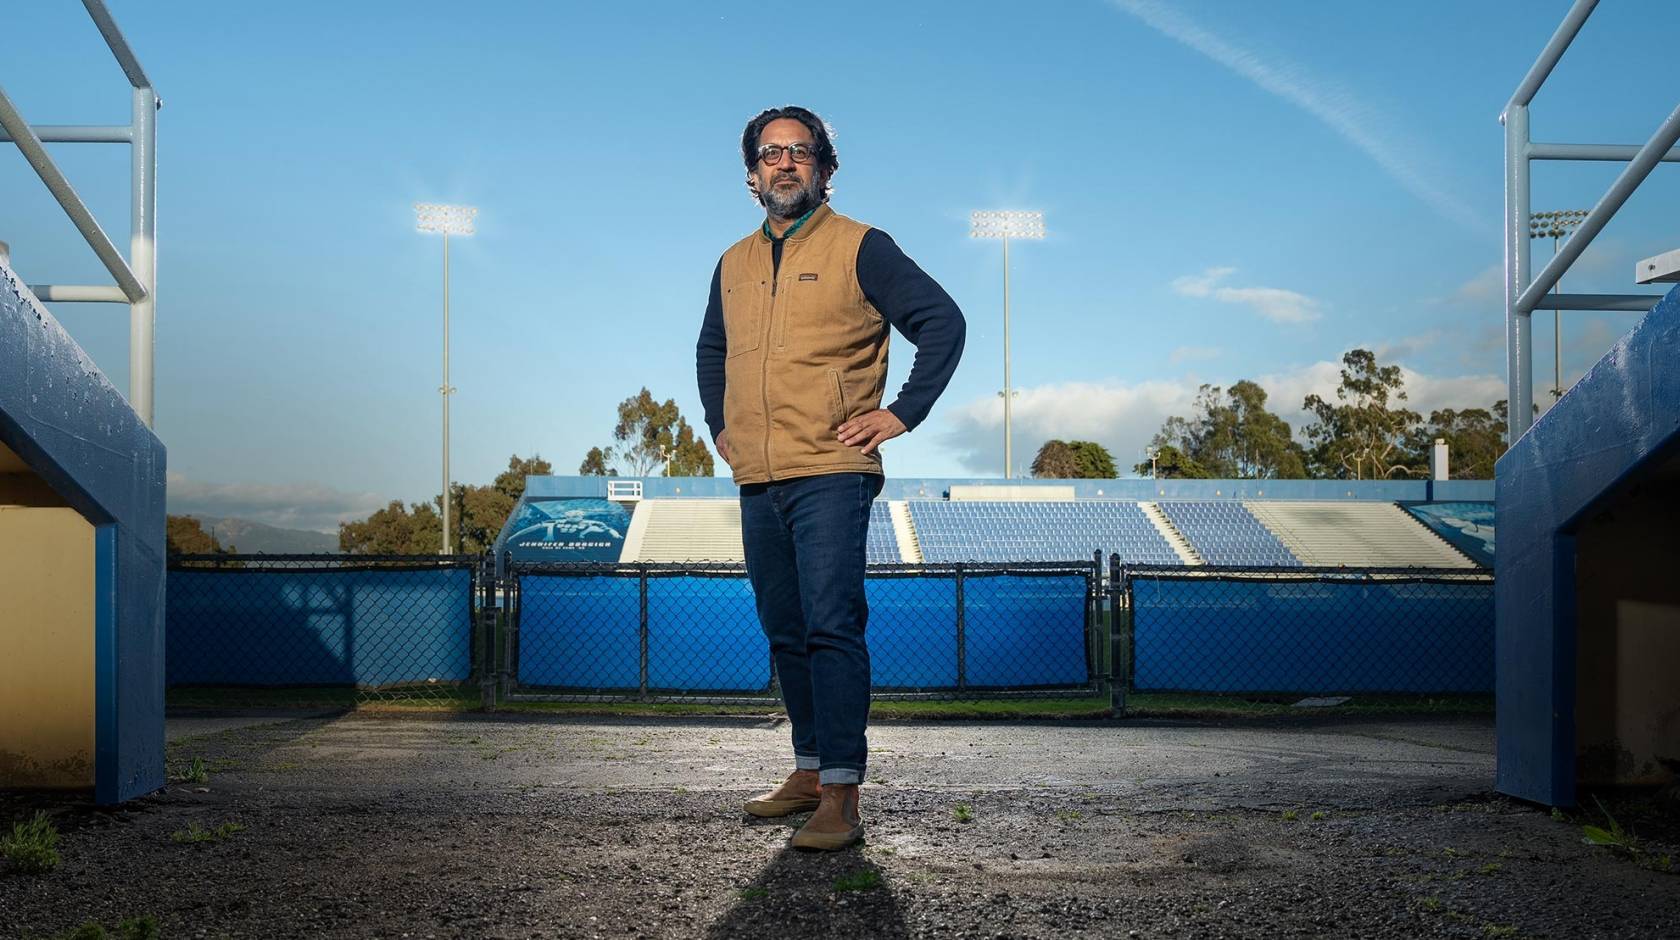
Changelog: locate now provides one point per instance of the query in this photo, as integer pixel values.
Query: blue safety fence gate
(1313, 631)
(690, 632)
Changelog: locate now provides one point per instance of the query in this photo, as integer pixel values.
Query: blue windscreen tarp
(582, 632)
(1209, 634)
(374, 627)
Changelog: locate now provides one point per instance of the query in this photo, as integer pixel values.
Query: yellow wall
(46, 635)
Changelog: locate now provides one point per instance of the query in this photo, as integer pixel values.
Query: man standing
(792, 364)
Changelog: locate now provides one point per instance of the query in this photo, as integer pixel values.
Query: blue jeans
(804, 540)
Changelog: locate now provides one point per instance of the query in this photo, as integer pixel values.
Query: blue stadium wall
(77, 436)
(1556, 485)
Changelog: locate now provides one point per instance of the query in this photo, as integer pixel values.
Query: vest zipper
(764, 368)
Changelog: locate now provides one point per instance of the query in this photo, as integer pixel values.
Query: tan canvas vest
(806, 352)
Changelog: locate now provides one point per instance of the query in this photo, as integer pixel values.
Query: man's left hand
(870, 430)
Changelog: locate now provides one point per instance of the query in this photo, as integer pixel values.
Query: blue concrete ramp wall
(1619, 421)
(74, 433)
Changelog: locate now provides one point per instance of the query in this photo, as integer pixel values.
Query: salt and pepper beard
(791, 206)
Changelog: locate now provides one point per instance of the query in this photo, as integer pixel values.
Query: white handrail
(72, 204)
(136, 277)
(1524, 295)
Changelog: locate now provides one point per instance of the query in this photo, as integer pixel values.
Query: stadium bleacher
(1356, 534)
(1283, 533)
(1038, 530)
(1225, 533)
(882, 547)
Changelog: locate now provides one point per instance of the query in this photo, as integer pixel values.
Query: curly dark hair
(828, 160)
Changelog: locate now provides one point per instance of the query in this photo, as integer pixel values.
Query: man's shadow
(814, 894)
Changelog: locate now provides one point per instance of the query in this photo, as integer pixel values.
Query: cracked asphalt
(477, 825)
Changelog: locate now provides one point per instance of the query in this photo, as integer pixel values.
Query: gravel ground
(501, 826)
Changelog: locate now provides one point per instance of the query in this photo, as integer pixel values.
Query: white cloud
(1193, 353)
(1123, 417)
(311, 506)
(1389, 350)
(1273, 303)
(1365, 127)
(1487, 287)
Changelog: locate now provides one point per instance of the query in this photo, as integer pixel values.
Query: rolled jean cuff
(806, 762)
(830, 775)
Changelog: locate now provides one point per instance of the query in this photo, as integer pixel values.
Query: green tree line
(1364, 431)
(477, 514)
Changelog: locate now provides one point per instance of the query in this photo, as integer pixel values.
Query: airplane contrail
(1355, 121)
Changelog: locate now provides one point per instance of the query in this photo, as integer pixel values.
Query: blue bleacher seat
(882, 545)
(997, 531)
(1226, 533)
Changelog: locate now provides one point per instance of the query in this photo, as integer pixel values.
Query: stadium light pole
(445, 220)
(1006, 225)
(1556, 225)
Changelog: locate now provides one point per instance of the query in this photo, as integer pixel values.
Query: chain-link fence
(1314, 631)
(433, 629)
(690, 632)
(389, 627)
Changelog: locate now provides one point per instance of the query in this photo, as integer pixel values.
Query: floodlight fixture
(1557, 226)
(445, 219)
(1005, 225)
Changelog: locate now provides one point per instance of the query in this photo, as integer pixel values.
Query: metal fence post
(486, 584)
(962, 638)
(1094, 624)
(508, 670)
(1119, 636)
(642, 632)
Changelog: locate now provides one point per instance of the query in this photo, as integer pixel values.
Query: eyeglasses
(771, 154)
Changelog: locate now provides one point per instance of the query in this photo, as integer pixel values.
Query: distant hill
(245, 536)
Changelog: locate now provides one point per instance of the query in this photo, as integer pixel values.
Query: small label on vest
(807, 277)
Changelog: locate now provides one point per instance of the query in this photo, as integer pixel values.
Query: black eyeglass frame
(771, 154)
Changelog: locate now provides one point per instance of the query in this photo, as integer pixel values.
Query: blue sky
(1232, 190)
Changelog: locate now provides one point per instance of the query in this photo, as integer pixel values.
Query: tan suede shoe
(785, 800)
(827, 841)
(766, 808)
(845, 797)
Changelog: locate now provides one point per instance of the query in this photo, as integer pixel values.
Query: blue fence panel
(703, 636)
(579, 632)
(1209, 634)
(1025, 631)
(369, 628)
(912, 632)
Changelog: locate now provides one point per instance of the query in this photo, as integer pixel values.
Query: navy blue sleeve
(709, 354)
(920, 309)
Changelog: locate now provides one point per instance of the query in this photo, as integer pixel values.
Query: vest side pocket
(837, 397)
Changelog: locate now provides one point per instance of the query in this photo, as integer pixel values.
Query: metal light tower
(1006, 225)
(1556, 225)
(447, 221)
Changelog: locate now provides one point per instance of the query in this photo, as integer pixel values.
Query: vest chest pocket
(743, 315)
(816, 316)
